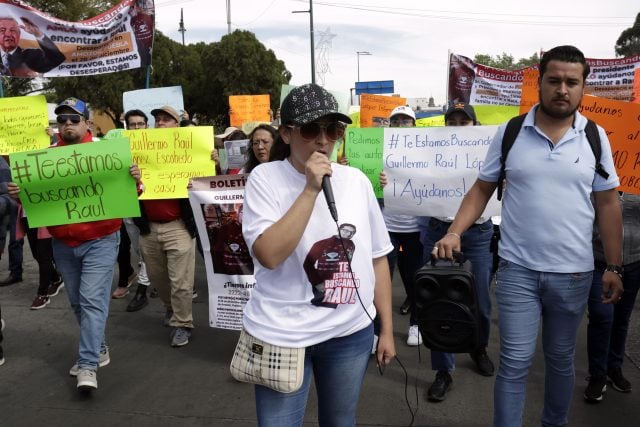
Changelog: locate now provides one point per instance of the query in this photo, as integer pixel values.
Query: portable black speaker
(446, 304)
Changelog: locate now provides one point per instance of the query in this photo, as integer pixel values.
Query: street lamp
(358, 53)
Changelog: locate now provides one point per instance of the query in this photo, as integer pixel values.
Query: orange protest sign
(249, 108)
(375, 109)
(636, 86)
(621, 120)
(529, 96)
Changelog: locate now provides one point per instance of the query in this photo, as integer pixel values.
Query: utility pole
(182, 29)
(313, 55)
(228, 16)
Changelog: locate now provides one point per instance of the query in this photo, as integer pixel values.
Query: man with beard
(546, 256)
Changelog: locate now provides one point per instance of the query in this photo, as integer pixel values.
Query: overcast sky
(408, 40)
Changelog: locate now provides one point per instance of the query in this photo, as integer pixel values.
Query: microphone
(328, 195)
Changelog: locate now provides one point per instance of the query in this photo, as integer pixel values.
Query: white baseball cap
(403, 109)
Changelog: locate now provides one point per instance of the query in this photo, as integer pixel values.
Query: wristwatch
(614, 269)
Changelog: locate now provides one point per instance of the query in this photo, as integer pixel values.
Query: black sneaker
(441, 385)
(139, 300)
(618, 381)
(482, 361)
(596, 388)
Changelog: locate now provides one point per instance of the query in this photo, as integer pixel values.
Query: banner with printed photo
(375, 109)
(248, 108)
(76, 183)
(217, 207)
(23, 120)
(429, 170)
(38, 44)
(169, 157)
(481, 85)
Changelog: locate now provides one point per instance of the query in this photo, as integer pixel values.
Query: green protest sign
(76, 183)
(364, 150)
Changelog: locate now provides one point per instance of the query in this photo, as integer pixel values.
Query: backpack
(513, 129)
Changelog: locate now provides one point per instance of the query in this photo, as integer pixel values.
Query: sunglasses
(334, 131)
(75, 118)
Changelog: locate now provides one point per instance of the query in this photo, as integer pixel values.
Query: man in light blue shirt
(546, 258)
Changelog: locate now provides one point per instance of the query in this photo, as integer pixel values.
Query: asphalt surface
(148, 383)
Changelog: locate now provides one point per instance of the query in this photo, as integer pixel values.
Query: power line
(437, 14)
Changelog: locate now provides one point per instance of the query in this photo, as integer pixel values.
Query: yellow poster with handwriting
(169, 158)
(23, 120)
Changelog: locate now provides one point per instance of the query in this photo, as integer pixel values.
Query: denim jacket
(630, 204)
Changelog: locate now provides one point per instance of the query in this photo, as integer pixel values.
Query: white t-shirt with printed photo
(311, 297)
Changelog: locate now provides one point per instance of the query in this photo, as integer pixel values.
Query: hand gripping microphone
(328, 195)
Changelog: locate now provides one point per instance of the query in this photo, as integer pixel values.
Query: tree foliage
(208, 72)
(628, 43)
(505, 61)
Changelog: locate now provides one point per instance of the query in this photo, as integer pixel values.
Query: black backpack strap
(510, 134)
(593, 136)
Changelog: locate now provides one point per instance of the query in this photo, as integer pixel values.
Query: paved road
(148, 383)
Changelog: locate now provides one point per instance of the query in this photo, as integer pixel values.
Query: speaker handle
(458, 256)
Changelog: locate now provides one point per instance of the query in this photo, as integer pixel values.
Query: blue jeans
(15, 245)
(409, 260)
(525, 297)
(476, 246)
(609, 323)
(88, 273)
(338, 366)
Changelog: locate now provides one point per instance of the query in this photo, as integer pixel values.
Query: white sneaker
(375, 344)
(414, 338)
(103, 361)
(87, 380)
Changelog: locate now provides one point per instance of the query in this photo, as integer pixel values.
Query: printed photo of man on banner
(33, 43)
(217, 204)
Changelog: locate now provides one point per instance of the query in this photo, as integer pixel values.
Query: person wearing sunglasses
(285, 215)
(85, 254)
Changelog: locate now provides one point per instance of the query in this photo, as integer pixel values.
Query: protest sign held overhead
(23, 121)
(147, 100)
(249, 108)
(168, 158)
(42, 45)
(76, 183)
(429, 170)
(375, 109)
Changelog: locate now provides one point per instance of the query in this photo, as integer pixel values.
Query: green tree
(240, 65)
(628, 43)
(505, 61)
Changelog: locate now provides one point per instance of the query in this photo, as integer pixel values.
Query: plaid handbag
(257, 362)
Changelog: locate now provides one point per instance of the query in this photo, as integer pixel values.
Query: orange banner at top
(249, 108)
(375, 109)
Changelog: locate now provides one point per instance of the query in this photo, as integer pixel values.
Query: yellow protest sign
(249, 108)
(168, 158)
(23, 120)
(621, 120)
(495, 114)
(375, 109)
(432, 121)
